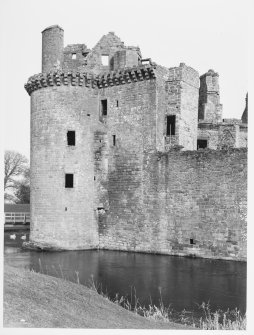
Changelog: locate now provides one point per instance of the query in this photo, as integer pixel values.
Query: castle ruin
(130, 155)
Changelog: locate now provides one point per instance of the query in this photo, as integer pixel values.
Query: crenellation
(140, 184)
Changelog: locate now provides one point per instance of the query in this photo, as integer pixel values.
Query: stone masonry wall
(107, 45)
(243, 136)
(79, 61)
(189, 203)
(132, 120)
(223, 135)
(189, 108)
(210, 108)
(52, 48)
(133, 187)
(182, 100)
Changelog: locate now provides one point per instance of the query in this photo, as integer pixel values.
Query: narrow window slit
(71, 137)
(104, 107)
(69, 180)
(171, 120)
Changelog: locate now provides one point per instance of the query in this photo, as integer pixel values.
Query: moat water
(184, 283)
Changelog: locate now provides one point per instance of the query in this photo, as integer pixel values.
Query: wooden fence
(16, 217)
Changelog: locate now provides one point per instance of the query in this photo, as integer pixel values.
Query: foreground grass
(37, 300)
(219, 320)
(40, 301)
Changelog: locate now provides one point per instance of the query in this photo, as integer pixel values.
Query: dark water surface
(183, 282)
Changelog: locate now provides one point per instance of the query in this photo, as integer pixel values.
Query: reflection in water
(183, 282)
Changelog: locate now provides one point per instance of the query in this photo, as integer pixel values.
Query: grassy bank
(36, 300)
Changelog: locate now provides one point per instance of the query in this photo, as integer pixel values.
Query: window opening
(69, 180)
(74, 56)
(201, 144)
(116, 103)
(104, 107)
(171, 120)
(104, 60)
(192, 241)
(146, 61)
(71, 137)
(114, 140)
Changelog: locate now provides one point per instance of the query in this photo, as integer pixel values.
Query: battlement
(121, 77)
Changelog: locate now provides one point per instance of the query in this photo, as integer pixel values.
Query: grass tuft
(219, 320)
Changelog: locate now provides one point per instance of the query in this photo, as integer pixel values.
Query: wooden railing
(17, 217)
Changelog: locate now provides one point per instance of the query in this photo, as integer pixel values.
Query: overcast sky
(203, 34)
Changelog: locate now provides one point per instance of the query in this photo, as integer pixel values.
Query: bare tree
(15, 166)
(22, 192)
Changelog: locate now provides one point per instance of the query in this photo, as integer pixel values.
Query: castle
(130, 155)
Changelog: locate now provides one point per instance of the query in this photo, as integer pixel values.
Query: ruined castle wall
(210, 108)
(209, 132)
(75, 57)
(228, 136)
(62, 217)
(106, 46)
(223, 135)
(243, 136)
(192, 203)
(189, 108)
(163, 109)
(183, 90)
(199, 196)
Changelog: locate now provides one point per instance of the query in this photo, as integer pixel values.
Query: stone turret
(245, 112)
(52, 48)
(210, 109)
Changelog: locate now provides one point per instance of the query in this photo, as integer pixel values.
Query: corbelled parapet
(58, 78)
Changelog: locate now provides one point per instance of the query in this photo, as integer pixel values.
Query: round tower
(52, 48)
(62, 159)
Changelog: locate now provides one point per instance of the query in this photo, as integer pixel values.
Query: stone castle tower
(108, 132)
